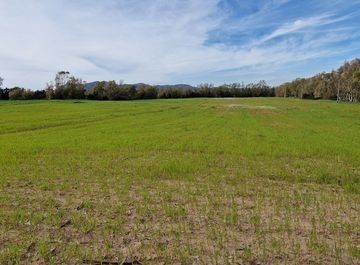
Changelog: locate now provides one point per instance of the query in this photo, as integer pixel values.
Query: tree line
(66, 86)
(342, 84)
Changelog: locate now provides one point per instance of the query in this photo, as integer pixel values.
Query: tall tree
(49, 90)
(61, 79)
(342, 84)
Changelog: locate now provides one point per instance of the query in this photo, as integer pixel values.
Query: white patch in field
(242, 106)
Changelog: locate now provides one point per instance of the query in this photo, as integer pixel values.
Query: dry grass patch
(257, 221)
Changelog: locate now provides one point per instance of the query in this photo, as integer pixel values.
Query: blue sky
(175, 41)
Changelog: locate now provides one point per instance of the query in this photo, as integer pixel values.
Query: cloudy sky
(175, 41)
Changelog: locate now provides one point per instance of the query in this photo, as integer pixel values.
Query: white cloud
(156, 41)
(300, 24)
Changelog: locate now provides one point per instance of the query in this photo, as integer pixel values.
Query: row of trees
(341, 85)
(66, 86)
(21, 93)
(114, 91)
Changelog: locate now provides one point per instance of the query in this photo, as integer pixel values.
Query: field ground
(192, 181)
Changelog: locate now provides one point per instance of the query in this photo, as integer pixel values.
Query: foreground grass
(180, 181)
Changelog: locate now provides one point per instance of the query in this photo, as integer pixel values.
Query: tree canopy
(342, 85)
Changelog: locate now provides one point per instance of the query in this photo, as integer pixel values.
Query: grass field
(191, 181)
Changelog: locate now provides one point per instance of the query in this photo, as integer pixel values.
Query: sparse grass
(180, 181)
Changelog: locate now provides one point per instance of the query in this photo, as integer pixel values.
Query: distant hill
(90, 85)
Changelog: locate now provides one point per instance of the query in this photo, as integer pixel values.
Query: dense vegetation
(188, 181)
(342, 84)
(70, 87)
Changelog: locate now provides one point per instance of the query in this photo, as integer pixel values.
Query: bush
(28, 94)
(16, 93)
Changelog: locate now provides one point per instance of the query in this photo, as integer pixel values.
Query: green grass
(180, 181)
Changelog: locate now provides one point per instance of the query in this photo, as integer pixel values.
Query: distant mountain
(90, 85)
(177, 86)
